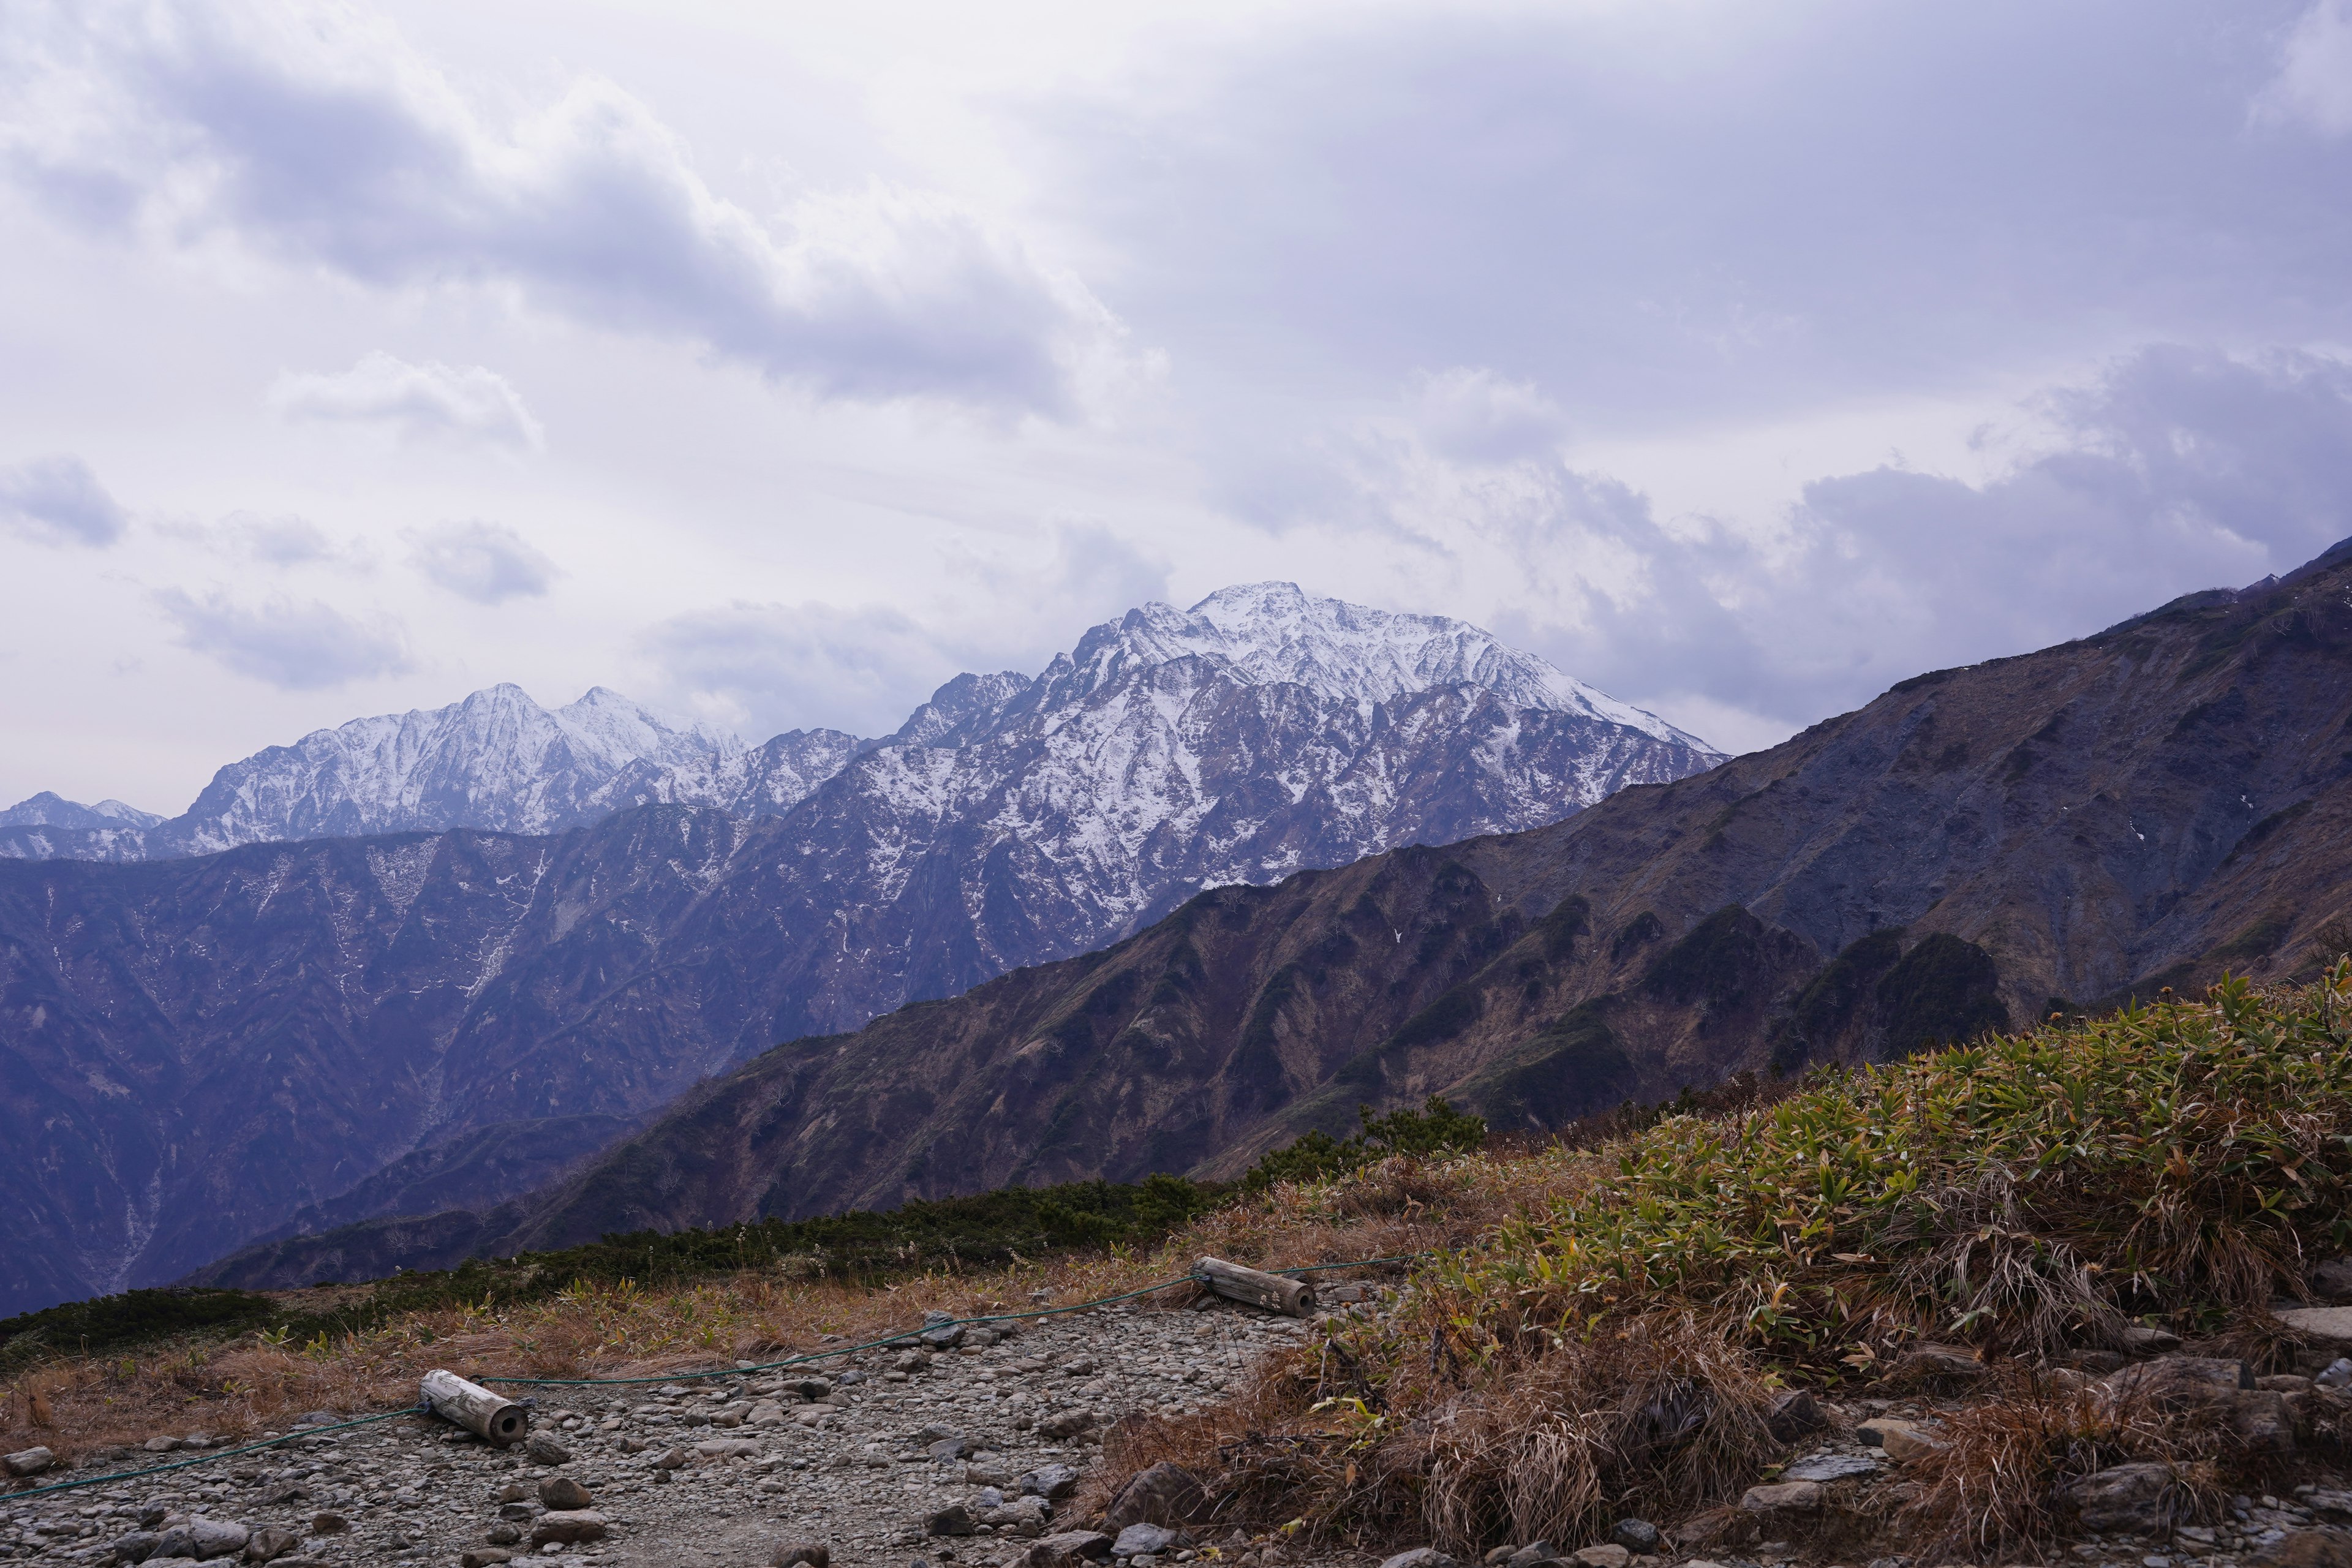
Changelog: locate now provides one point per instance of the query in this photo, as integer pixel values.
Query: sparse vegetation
(1437, 1129)
(2026, 1194)
(1605, 1320)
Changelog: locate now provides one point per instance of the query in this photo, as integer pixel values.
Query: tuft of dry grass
(1997, 1486)
(1547, 1443)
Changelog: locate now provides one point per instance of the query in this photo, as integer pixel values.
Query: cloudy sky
(772, 364)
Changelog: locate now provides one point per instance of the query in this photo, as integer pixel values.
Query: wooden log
(1275, 1292)
(474, 1407)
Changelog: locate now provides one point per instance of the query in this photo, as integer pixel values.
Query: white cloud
(1472, 415)
(2176, 468)
(465, 405)
(304, 132)
(281, 541)
(58, 501)
(759, 670)
(294, 645)
(485, 561)
(2313, 85)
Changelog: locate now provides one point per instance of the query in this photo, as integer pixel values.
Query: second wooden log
(474, 1407)
(1273, 1292)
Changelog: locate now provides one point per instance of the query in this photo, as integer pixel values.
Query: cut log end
(476, 1408)
(1273, 1292)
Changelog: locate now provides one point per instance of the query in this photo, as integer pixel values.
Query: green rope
(686, 1376)
(208, 1458)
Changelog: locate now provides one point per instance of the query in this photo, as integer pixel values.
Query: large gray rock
(1783, 1496)
(1148, 1541)
(2331, 1324)
(29, 1461)
(1162, 1494)
(136, 1547)
(564, 1493)
(1794, 1413)
(801, 1554)
(203, 1539)
(1067, 1549)
(1053, 1482)
(1830, 1468)
(2130, 1500)
(270, 1542)
(568, 1527)
(953, 1520)
(2182, 1382)
(1635, 1536)
(1420, 1557)
(2262, 1420)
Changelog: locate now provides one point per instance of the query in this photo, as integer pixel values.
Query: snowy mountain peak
(49, 809)
(1268, 633)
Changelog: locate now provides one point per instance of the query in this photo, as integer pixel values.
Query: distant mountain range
(1976, 849)
(496, 760)
(453, 951)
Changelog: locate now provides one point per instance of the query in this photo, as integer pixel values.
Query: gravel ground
(855, 1453)
(863, 1453)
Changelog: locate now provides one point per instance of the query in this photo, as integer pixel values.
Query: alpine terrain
(497, 759)
(1976, 848)
(290, 1036)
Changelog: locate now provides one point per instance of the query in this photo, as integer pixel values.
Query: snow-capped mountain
(1258, 734)
(496, 760)
(500, 983)
(48, 809)
(1270, 633)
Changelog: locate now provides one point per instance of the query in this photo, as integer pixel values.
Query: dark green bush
(1436, 1129)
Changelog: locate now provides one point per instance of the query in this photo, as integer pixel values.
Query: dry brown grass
(1548, 1443)
(247, 1386)
(1996, 1487)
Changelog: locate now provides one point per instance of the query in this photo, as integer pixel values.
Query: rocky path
(857, 1455)
(963, 1454)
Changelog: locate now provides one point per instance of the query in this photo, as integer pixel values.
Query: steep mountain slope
(195, 1052)
(1976, 848)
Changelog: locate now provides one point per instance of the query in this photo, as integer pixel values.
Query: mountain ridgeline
(1976, 849)
(196, 1051)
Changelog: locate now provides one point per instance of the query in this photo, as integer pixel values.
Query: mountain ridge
(2048, 831)
(497, 761)
(204, 1049)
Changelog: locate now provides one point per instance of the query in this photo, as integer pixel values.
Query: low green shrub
(1435, 1129)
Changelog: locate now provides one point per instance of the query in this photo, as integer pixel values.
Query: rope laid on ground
(1191, 1277)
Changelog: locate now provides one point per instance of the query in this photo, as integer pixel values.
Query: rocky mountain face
(1975, 849)
(295, 1036)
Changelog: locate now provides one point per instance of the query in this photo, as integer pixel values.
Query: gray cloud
(58, 501)
(1665, 225)
(313, 135)
(2179, 469)
(463, 404)
(295, 646)
(487, 562)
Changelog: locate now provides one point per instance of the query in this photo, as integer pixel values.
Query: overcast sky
(772, 364)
